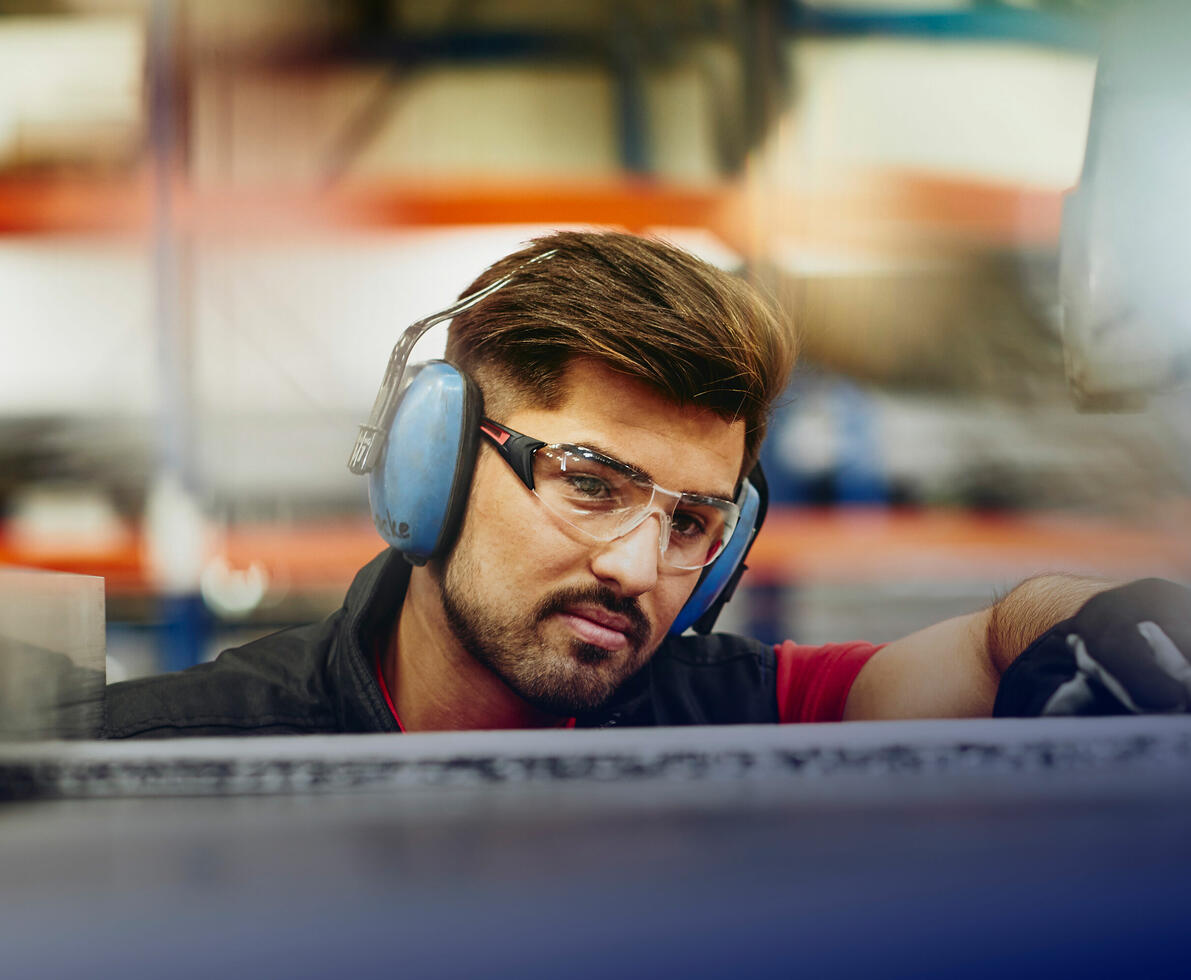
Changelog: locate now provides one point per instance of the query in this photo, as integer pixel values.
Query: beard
(564, 677)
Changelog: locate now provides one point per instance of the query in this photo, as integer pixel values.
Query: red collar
(384, 689)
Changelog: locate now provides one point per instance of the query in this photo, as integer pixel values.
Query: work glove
(1127, 651)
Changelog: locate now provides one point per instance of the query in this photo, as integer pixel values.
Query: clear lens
(606, 500)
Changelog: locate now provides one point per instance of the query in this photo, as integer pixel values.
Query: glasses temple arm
(517, 449)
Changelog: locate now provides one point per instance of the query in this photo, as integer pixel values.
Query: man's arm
(952, 669)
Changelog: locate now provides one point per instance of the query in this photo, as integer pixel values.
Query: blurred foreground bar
(969, 849)
(52, 654)
(952, 757)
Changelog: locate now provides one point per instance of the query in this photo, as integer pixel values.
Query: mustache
(599, 595)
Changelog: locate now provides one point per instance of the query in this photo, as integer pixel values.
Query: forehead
(681, 448)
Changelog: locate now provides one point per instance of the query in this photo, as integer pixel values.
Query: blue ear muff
(720, 578)
(418, 490)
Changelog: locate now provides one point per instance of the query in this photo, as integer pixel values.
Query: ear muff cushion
(419, 490)
(465, 464)
(721, 573)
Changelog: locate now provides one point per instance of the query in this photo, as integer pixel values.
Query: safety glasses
(605, 499)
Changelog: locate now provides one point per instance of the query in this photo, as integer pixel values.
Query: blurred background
(217, 217)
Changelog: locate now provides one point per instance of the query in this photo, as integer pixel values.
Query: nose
(629, 564)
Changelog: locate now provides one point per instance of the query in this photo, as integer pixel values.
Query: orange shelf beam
(877, 210)
(634, 204)
(842, 546)
(883, 211)
(856, 545)
(47, 205)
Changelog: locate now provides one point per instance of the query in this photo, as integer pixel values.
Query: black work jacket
(320, 679)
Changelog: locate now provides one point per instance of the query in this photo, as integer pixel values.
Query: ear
(418, 490)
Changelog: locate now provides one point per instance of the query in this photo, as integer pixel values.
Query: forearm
(953, 669)
(1024, 614)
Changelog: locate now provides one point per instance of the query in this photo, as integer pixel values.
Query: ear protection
(419, 448)
(419, 491)
(720, 578)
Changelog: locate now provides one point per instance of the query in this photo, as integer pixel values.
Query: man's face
(561, 619)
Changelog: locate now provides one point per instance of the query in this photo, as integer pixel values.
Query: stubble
(562, 676)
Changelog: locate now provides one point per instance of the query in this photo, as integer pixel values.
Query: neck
(435, 683)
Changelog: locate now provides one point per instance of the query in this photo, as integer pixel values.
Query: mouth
(599, 627)
(603, 623)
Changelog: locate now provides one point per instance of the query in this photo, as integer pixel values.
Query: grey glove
(1078, 695)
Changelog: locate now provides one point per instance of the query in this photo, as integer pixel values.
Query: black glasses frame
(518, 450)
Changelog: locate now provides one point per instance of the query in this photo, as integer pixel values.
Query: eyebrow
(596, 447)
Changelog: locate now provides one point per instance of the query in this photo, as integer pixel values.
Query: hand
(1156, 681)
(1126, 651)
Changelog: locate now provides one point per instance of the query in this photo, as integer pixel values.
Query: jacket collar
(369, 613)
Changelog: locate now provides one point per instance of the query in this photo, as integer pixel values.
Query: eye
(688, 525)
(587, 486)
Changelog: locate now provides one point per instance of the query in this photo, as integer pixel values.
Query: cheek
(488, 524)
(504, 531)
(667, 600)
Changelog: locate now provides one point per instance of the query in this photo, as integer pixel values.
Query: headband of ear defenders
(370, 442)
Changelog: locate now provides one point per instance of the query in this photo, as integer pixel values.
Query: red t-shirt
(813, 682)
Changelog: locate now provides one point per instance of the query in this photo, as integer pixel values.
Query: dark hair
(693, 333)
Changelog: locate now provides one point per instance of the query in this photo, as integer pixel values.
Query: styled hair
(695, 334)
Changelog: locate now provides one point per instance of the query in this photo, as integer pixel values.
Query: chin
(582, 680)
(591, 655)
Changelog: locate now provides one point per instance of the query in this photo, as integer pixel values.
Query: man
(587, 505)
